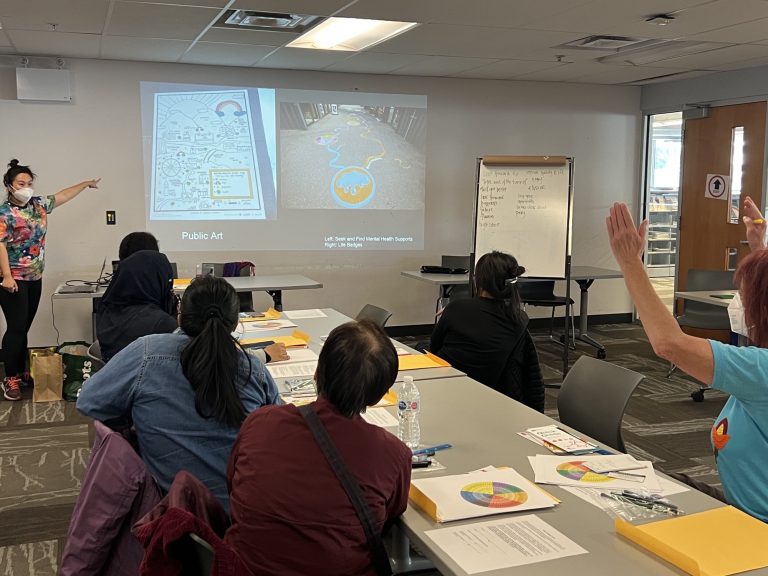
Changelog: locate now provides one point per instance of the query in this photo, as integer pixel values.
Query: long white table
(273, 285)
(318, 329)
(488, 436)
(584, 276)
(714, 297)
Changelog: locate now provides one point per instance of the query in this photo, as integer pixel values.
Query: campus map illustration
(204, 160)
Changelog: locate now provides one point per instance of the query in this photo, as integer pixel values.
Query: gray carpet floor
(44, 447)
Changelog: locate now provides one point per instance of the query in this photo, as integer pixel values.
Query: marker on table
(432, 449)
(758, 221)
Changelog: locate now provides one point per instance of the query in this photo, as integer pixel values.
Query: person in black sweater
(139, 301)
(487, 336)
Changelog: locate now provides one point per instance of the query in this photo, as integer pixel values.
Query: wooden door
(706, 231)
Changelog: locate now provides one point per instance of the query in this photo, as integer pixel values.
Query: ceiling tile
(710, 60)
(441, 66)
(259, 37)
(762, 61)
(55, 43)
(739, 34)
(80, 16)
(505, 69)
(627, 17)
(225, 54)
(624, 74)
(146, 49)
(500, 13)
(470, 41)
(4, 40)
(313, 7)
(159, 21)
(303, 59)
(373, 63)
(202, 3)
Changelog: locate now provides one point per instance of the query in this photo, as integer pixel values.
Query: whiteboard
(525, 211)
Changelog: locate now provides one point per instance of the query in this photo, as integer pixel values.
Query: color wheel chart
(494, 494)
(578, 471)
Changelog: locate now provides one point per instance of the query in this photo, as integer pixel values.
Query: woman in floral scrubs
(23, 224)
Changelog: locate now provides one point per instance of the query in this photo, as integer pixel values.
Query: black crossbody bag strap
(351, 487)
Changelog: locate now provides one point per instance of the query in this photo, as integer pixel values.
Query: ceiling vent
(660, 50)
(614, 43)
(271, 21)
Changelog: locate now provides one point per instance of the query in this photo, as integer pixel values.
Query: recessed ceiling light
(350, 34)
(660, 19)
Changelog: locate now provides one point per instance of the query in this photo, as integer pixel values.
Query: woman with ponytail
(487, 336)
(186, 393)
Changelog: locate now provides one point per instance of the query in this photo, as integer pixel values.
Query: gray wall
(99, 134)
(749, 84)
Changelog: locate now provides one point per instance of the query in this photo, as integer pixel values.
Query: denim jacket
(145, 385)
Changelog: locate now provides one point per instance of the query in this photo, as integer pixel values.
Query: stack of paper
(561, 439)
(580, 471)
(302, 362)
(717, 542)
(496, 491)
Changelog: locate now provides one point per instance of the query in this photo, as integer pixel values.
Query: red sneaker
(10, 388)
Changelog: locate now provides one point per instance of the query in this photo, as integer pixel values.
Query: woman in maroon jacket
(290, 514)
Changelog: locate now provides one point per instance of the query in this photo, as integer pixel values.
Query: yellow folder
(179, 283)
(717, 542)
(270, 314)
(418, 361)
(297, 339)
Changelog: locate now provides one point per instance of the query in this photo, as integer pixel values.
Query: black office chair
(701, 315)
(375, 314)
(542, 293)
(197, 556)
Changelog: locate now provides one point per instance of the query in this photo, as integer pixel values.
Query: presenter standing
(23, 224)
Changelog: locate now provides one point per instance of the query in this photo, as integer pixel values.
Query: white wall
(99, 134)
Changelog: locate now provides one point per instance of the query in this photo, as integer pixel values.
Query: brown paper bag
(48, 374)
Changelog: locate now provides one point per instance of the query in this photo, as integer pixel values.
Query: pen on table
(758, 221)
(421, 464)
(431, 449)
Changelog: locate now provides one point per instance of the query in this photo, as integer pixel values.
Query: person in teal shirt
(740, 432)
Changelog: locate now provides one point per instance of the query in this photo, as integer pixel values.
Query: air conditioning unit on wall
(42, 85)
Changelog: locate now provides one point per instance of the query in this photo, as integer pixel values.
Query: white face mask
(23, 195)
(736, 316)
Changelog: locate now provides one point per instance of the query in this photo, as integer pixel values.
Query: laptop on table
(88, 288)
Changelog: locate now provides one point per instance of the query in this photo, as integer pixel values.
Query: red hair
(752, 280)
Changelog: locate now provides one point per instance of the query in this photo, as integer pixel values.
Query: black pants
(19, 309)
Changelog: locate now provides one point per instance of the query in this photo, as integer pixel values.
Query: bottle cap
(408, 379)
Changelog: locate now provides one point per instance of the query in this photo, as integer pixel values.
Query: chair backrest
(715, 317)
(200, 561)
(175, 269)
(213, 268)
(374, 313)
(94, 353)
(532, 290)
(593, 398)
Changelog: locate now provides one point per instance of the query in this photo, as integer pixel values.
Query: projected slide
(351, 156)
(204, 157)
(238, 169)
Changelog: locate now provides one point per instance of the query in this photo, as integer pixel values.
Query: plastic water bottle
(408, 405)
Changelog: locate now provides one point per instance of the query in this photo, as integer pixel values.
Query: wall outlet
(111, 218)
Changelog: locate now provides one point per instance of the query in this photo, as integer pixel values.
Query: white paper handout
(265, 326)
(498, 544)
(562, 439)
(379, 417)
(614, 463)
(297, 355)
(302, 314)
(481, 494)
(575, 471)
(292, 369)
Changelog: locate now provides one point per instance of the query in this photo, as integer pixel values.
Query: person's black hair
(211, 360)
(136, 241)
(491, 274)
(357, 365)
(14, 169)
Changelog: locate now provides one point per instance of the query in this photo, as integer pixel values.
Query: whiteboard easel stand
(534, 161)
